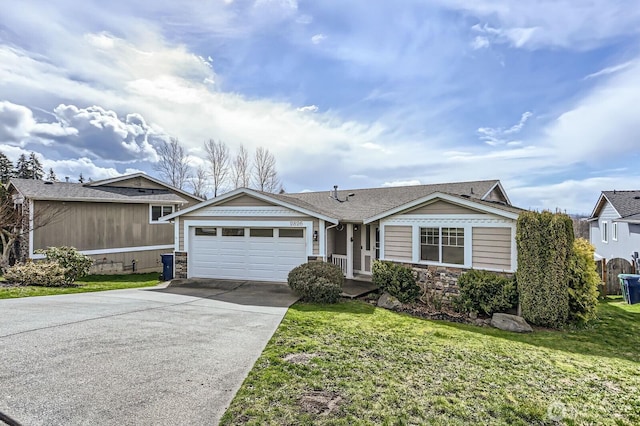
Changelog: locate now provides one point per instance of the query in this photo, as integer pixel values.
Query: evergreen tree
(81, 178)
(6, 168)
(35, 167)
(52, 176)
(22, 168)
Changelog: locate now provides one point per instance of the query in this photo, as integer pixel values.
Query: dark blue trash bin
(167, 266)
(630, 284)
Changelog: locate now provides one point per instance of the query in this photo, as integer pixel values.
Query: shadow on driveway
(253, 293)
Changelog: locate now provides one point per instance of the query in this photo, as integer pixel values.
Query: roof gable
(625, 203)
(140, 180)
(241, 193)
(439, 206)
(478, 205)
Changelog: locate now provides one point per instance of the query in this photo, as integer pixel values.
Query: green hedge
(485, 292)
(545, 242)
(397, 280)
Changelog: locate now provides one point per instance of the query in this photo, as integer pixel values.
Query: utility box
(167, 266)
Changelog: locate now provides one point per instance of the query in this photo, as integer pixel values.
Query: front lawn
(356, 364)
(87, 284)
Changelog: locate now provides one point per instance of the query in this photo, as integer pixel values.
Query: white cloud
(498, 135)
(480, 42)
(318, 38)
(18, 124)
(610, 70)
(603, 125)
(559, 23)
(308, 108)
(411, 182)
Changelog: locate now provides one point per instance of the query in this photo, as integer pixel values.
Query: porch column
(349, 250)
(322, 234)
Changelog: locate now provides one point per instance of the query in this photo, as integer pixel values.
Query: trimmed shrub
(485, 292)
(545, 242)
(397, 280)
(75, 264)
(317, 282)
(47, 274)
(583, 282)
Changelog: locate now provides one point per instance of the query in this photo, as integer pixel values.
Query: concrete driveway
(131, 357)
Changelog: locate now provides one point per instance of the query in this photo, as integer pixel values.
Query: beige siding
(137, 182)
(398, 243)
(330, 241)
(244, 200)
(117, 263)
(496, 195)
(492, 248)
(441, 207)
(93, 226)
(246, 219)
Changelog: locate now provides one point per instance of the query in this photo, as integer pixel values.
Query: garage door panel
(252, 258)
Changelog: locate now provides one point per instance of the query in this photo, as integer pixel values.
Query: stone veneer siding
(180, 264)
(443, 280)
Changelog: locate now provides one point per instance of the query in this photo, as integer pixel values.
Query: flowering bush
(47, 274)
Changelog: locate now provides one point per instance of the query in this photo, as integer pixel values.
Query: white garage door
(261, 254)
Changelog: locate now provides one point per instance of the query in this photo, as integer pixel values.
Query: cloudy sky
(543, 95)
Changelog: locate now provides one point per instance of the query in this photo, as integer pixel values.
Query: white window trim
(416, 237)
(614, 231)
(157, 222)
(604, 231)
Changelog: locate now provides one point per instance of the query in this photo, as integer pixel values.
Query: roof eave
(106, 200)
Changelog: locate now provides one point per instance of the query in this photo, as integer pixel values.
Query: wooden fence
(609, 271)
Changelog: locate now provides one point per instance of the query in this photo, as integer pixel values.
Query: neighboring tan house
(615, 225)
(115, 221)
(248, 234)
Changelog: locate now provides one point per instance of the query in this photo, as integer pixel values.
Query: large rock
(510, 323)
(387, 301)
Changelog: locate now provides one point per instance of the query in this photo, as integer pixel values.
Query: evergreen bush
(486, 292)
(47, 274)
(317, 282)
(545, 242)
(397, 280)
(75, 264)
(583, 282)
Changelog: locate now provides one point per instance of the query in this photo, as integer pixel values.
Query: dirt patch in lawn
(300, 358)
(320, 402)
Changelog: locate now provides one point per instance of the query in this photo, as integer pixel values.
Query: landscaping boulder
(510, 323)
(387, 301)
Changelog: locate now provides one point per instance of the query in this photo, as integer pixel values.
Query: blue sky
(542, 95)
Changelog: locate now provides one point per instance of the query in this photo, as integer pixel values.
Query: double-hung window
(614, 231)
(442, 245)
(605, 232)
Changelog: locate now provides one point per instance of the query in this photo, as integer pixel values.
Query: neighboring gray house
(249, 234)
(615, 225)
(115, 220)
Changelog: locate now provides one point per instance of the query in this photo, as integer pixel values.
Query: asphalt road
(129, 357)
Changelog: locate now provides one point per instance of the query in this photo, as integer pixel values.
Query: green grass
(390, 369)
(87, 284)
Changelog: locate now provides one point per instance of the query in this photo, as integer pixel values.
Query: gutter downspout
(325, 239)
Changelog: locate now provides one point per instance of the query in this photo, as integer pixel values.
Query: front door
(370, 242)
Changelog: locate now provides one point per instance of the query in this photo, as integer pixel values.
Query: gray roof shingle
(369, 202)
(64, 191)
(627, 203)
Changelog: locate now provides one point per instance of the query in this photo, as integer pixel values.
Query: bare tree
(199, 183)
(241, 169)
(173, 164)
(14, 222)
(218, 156)
(265, 176)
